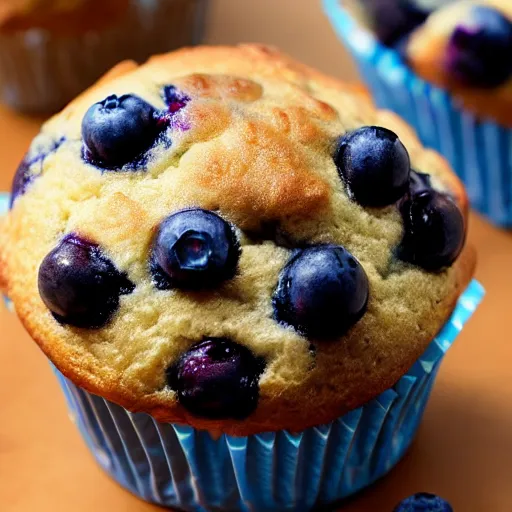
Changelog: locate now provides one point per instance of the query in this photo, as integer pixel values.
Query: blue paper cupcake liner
(480, 152)
(180, 467)
(4, 208)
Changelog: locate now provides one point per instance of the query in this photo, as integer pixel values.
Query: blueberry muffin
(227, 239)
(51, 50)
(463, 46)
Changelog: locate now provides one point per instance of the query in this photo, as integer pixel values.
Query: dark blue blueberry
(22, 179)
(24, 175)
(119, 130)
(480, 48)
(423, 502)
(434, 230)
(322, 292)
(80, 285)
(193, 249)
(419, 182)
(216, 379)
(374, 165)
(394, 19)
(174, 98)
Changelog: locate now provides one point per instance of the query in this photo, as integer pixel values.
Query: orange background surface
(464, 447)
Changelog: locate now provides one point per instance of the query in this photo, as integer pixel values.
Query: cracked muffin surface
(226, 238)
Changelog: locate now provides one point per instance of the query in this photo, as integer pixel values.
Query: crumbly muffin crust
(254, 143)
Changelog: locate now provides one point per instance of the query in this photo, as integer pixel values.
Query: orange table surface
(463, 450)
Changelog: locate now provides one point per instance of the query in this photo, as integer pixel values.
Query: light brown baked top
(249, 134)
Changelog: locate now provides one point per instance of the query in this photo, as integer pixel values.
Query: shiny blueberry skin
(322, 292)
(194, 249)
(480, 48)
(217, 379)
(118, 130)
(79, 284)
(374, 165)
(434, 230)
(174, 98)
(423, 502)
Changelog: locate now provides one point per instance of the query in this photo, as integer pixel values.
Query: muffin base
(179, 466)
(477, 149)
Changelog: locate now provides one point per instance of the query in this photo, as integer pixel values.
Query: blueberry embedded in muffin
(434, 230)
(118, 130)
(194, 248)
(217, 379)
(193, 319)
(374, 165)
(79, 284)
(174, 98)
(30, 167)
(465, 48)
(479, 48)
(322, 292)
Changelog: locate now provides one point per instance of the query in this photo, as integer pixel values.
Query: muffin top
(463, 46)
(226, 238)
(63, 17)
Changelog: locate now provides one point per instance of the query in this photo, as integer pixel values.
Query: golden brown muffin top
(249, 134)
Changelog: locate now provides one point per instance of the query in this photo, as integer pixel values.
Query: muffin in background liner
(178, 466)
(41, 72)
(480, 151)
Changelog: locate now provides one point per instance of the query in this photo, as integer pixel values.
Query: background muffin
(50, 51)
(460, 99)
(203, 187)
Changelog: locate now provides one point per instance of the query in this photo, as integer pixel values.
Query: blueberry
(22, 179)
(479, 50)
(434, 230)
(118, 130)
(80, 285)
(194, 249)
(423, 502)
(24, 175)
(394, 19)
(217, 378)
(419, 182)
(174, 98)
(322, 292)
(374, 164)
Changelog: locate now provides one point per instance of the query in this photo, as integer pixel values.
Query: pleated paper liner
(479, 151)
(178, 466)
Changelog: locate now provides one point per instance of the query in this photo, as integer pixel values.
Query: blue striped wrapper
(479, 151)
(178, 466)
